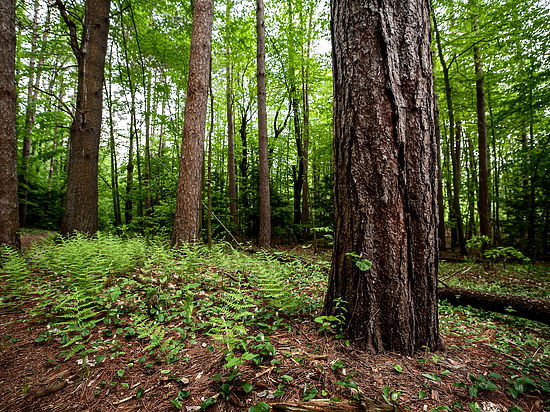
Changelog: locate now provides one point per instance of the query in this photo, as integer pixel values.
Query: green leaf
(247, 387)
(176, 403)
(431, 377)
(139, 393)
(398, 368)
(422, 395)
(249, 356)
(260, 407)
(120, 373)
(310, 393)
(287, 378)
(207, 403)
(363, 264)
(233, 362)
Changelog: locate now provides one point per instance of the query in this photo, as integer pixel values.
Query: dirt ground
(34, 377)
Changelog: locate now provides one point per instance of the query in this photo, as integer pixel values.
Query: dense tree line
(491, 82)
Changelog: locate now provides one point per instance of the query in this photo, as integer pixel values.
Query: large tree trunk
(81, 207)
(9, 214)
(385, 177)
(186, 220)
(525, 307)
(264, 234)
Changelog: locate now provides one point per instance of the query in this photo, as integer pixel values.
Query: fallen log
(529, 308)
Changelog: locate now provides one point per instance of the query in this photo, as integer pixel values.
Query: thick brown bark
(232, 181)
(9, 214)
(535, 309)
(81, 207)
(186, 220)
(385, 178)
(264, 234)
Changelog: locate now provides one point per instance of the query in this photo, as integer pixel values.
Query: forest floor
(215, 332)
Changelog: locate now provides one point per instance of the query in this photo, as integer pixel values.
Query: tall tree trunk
(81, 203)
(30, 112)
(305, 111)
(209, 174)
(112, 149)
(455, 215)
(484, 205)
(471, 187)
(243, 165)
(146, 86)
(440, 205)
(9, 214)
(232, 182)
(496, 175)
(186, 220)
(298, 170)
(264, 234)
(385, 176)
(456, 151)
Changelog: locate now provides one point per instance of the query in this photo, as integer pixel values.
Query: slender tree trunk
(186, 220)
(305, 111)
(209, 175)
(471, 187)
(455, 215)
(232, 182)
(9, 214)
(385, 177)
(496, 176)
(298, 170)
(264, 235)
(243, 165)
(146, 86)
(456, 152)
(484, 205)
(81, 204)
(30, 112)
(440, 205)
(113, 152)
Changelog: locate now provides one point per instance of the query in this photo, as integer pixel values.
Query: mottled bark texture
(385, 178)
(81, 208)
(264, 235)
(186, 220)
(9, 214)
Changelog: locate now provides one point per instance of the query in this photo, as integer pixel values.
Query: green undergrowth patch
(96, 292)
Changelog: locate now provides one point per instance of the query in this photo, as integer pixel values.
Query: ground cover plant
(112, 323)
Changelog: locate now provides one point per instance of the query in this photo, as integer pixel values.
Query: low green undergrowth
(92, 291)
